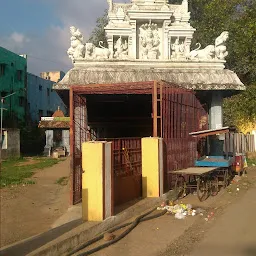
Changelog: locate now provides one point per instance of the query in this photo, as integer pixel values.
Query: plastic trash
(189, 206)
(169, 208)
(179, 209)
(179, 216)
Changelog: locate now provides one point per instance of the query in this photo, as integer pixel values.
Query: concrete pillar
(49, 138)
(97, 181)
(216, 110)
(152, 167)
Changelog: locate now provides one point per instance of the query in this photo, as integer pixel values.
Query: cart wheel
(202, 189)
(230, 175)
(226, 178)
(214, 186)
(180, 186)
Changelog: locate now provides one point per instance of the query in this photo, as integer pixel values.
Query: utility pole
(1, 123)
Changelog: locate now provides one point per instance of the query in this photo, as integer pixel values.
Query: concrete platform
(89, 230)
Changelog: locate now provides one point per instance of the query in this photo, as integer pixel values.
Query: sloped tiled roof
(195, 79)
(54, 124)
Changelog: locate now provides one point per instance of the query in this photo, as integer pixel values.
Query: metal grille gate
(127, 169)
(176, 113)
(78, 135)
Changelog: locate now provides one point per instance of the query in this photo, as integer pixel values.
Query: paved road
(234, 233)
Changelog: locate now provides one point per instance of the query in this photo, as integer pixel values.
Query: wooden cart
(203, 179)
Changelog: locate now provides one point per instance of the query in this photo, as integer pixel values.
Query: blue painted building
(41, 98)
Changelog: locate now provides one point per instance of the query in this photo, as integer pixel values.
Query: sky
(40, 29)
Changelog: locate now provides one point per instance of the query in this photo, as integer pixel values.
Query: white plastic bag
(179, 216)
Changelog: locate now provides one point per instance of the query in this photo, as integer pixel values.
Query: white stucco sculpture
(207, 53)
(88, 51)
(211, 52)
(184, 5)
(77, 48)
(145, 30)
(178, 49)
(149, 40)
(220, 47)
(121, 49)
(110, 4)
(96, 53)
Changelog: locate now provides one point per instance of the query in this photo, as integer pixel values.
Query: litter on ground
(180, 211)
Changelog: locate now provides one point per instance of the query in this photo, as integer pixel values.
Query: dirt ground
(231, 228)
(167, 236)
(31, 209)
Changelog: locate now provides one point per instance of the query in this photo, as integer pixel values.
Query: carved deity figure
(178, 49)
(121, 49)
(149, 40)
(220, 47)
(77, 48)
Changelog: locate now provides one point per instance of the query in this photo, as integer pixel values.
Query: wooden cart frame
(205, 180)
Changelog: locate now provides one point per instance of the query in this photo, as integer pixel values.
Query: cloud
(19, 38)
(15, 42)
(47, 50)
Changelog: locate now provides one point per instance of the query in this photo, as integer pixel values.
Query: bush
(32, 140)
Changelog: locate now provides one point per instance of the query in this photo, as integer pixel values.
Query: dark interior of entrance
(120, 116)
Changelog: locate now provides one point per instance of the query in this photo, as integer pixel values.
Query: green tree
(98, 33)
(240, 110)
(211, 17)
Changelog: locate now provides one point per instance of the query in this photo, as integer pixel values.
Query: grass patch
(63, 181)
(17, 171)
(251, 161)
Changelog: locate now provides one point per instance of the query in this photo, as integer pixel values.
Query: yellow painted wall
(150, 167)
(92, 181)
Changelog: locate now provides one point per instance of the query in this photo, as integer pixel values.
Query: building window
(49, 113)
(19, 75)
(48, 92)
(2, 69)
(40, 113)
(40, 87)
(21, 101)
(3, 94)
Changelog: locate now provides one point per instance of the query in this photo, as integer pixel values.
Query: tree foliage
(211, 17)
(240, 110)
(98, 33)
